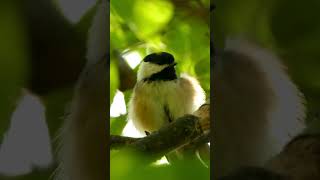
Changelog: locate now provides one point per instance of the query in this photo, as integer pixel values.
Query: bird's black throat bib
(167, 74)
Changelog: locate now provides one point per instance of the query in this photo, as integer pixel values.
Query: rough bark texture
(300, 159)
(189, 130)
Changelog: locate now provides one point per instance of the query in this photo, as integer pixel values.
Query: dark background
(290, 28)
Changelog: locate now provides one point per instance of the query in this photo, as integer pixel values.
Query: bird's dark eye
(159, 58)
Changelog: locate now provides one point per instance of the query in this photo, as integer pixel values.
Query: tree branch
(189, 130)
(126, 74)
(117, 142)
(204, 138)
(299, 159)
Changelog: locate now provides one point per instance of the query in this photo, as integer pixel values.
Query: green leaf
(144, 17)
(13, 62)
(124, 8)
(127, 95)
(249, 18)
(188, 41)
(202, 69)
(117, 124)
(293, 29)
(125, 165)
(151, 16)
(114, 78)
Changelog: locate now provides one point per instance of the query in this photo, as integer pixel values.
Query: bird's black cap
(159, 58)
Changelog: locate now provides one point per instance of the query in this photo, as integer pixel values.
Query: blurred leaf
(151, 16)
(13, 61)
(120, 35)
(114, 78)
(203, 74)
(117, 124)
(206, 3)
(290, 28)
(297, 37)
(249, 18)
(127, 95)
(144, 17)
(294, 29)
(124, 8)
(177, 40)
(125, 165)
(188, 41)
(117, 35)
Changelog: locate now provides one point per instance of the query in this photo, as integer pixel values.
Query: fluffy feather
(83, 138)
(257, 108)
(149, 100)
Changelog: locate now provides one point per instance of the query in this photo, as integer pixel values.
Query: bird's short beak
(173, 64)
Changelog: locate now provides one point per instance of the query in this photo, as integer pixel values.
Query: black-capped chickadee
(257, 108)
(160, 96)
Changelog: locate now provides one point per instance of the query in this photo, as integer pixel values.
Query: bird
(160, 96)
(257, 108)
